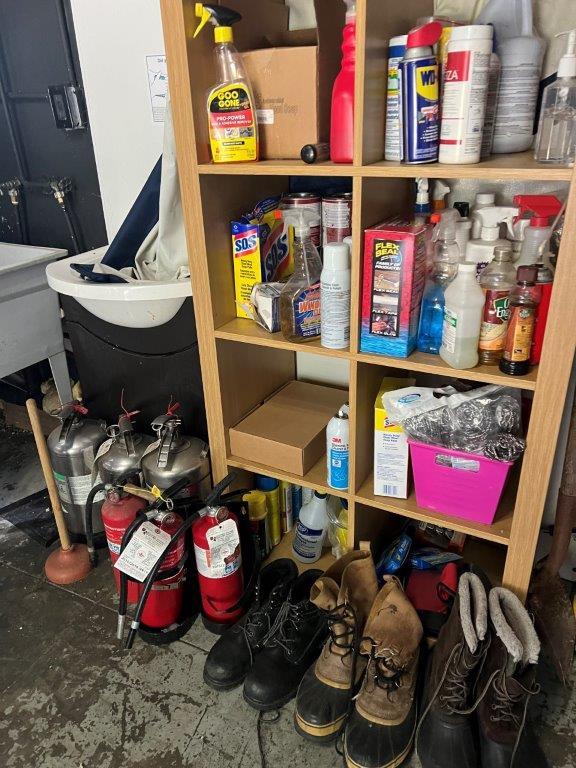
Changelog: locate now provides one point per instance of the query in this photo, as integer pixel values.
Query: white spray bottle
(480, 251)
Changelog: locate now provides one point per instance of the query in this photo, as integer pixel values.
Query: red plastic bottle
(342, 114)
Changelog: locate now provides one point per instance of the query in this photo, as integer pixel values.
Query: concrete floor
(69, 698)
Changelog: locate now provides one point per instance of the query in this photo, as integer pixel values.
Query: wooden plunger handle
(48, 474)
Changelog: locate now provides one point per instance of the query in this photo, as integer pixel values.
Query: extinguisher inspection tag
(143, 551)
(222, 557)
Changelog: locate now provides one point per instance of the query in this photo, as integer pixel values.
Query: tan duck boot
(380, 730)
(346, 592)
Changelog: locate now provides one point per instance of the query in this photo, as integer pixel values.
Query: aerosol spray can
(338, 449)
(420, 103)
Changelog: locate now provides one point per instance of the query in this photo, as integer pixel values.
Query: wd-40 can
(420, 103)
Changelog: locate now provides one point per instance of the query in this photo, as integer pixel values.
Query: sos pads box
(392, 288)
(261, 251)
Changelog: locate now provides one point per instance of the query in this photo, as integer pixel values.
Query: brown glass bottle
(524, 298)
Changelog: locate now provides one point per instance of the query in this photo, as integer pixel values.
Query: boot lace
(386, 673)
(505, 704)
(291, 620)
(456, 688)
(259, 621)
(343, 618)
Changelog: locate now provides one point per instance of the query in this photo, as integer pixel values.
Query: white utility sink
(141, 304)
(30, 326)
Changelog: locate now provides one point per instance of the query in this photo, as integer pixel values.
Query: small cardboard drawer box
(288, 431)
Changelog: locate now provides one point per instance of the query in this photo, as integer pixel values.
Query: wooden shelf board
(498, 532)
(284, 549)
(277, 168)
(516, 167)
(248, 332)
(420, 361)
(315, 478)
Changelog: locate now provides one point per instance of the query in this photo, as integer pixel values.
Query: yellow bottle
(230, 103)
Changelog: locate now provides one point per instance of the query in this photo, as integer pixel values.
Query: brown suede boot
(346, 591)
(446, 733)
(507, 683)
(380, 730)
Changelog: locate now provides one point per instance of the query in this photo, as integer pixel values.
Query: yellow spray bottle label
(232, 125)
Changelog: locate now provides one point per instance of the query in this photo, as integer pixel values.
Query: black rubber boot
(293, 644)
(233, 653)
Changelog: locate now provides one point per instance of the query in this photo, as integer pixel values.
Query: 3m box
(392, 288)
(288, 431)
(391, 452)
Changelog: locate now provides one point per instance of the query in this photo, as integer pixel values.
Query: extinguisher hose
(152, 577)
(94, 491)
(140, 518)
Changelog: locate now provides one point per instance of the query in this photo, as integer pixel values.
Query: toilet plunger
(70, 562)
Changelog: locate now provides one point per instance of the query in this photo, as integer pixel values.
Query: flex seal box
(392, 287)
(260, 250)
(391, 452)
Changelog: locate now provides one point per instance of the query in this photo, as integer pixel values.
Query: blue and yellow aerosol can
(420, 95)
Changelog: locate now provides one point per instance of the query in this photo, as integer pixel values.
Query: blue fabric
(143, 216)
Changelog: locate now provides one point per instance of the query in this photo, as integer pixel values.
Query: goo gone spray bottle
(338, 449)
(230, 103)
(420, 109)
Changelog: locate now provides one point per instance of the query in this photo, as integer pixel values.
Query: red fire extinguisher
(218, 556)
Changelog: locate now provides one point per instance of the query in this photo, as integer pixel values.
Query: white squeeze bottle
(311, 529)
(463, 305)
(521, 52)
(335, 297)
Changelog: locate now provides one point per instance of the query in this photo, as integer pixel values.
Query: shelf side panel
(553, 377)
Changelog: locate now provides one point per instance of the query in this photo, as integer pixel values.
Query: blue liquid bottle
(444, 269)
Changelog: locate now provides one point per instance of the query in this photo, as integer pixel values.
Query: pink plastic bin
(455, 483)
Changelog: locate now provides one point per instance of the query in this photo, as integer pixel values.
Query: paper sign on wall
(157, 85)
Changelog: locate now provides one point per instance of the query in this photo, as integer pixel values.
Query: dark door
(47, 170)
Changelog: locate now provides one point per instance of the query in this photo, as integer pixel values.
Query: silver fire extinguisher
(120, 455)
(175, 456)
(73, 448)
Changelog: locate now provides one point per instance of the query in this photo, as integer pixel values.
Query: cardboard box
(391, 452)
(292, 81)
(393, 284)
(288, 431)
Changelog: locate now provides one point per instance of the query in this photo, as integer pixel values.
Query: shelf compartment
(498, 532)
(284, 549)
(513, 167)
(248, 332)
(424, 363)
(315, 478)
(278, 168)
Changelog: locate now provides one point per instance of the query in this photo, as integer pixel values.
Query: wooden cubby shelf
(498, 532)
(242, 364)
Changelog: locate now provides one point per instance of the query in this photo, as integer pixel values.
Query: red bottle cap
(539, 221)
(426, 35)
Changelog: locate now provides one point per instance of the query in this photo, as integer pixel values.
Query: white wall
(114, 37)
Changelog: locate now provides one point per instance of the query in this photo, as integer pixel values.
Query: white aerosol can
(338, 449)
(335, 297)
